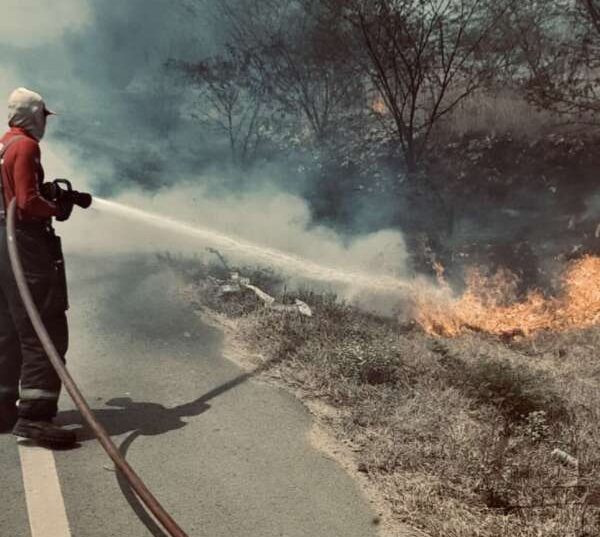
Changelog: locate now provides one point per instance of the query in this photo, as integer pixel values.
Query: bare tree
(591, 9)
(560, 44)
(423, 58)
(300, 58)
(229, 102)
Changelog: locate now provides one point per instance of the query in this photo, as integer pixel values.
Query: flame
(489, 304)
(378, 106)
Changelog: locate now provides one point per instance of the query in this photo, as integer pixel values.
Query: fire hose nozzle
(82, 199)
(62, 189)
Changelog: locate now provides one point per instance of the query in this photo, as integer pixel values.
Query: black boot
(45, 432)
(8, 416)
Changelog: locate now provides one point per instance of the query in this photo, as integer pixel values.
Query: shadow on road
(146, 418)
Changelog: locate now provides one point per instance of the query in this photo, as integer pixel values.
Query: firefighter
(29, 385)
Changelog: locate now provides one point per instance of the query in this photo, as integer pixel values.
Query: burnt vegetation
(472, 435)
(472, 125)
(469, 124)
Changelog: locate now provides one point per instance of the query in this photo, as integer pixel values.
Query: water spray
(314, 271)
(268, 256)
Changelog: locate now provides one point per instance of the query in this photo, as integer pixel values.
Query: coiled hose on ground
(151, 503)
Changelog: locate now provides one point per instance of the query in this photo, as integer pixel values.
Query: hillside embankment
(474, 434)
(475, 409)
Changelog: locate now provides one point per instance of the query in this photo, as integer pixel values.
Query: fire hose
(142, 491)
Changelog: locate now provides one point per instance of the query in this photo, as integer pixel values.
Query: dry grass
(499, 113)
(457, 434)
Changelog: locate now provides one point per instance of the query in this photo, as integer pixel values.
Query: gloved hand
(65, 208)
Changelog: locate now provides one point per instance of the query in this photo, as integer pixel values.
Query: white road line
(45, 504)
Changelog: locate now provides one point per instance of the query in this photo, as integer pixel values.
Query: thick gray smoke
(101, 65)
(122, 132)
(269, 218)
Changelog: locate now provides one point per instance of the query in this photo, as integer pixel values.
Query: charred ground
(528, 204)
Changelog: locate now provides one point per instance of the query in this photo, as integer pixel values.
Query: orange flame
(378, 106)
(489, 304)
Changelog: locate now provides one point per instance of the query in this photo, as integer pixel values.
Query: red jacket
(22, 175)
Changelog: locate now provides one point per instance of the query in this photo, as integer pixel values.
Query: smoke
(268, 216)
(592, 210)
(272, 220)
(28, 23)
(121, 132)
(125, 117)
(101, 65)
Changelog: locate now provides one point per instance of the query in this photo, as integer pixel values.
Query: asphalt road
(227, 455)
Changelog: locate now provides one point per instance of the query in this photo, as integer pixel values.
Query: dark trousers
(25, 370)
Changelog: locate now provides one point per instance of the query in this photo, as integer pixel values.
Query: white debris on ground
(565, 458)
(237, 284)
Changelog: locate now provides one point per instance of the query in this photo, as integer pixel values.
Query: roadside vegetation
(474, 435)
(472, 127)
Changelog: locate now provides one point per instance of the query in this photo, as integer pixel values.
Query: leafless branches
(423, 57)
(560, 42)
(318, 65)
(229, 102)
(299, 58)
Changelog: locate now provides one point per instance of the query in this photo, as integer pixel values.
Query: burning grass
(456, 432)
(490, 304)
